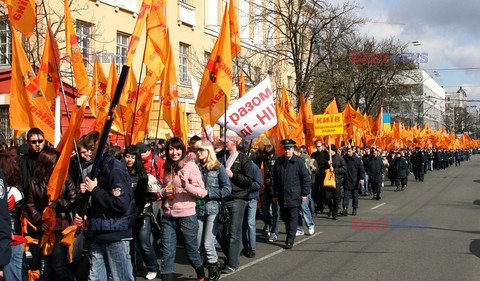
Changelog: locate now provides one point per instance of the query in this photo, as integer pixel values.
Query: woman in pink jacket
(183, 184)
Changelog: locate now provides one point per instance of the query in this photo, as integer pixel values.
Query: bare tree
(294, 32)
(366, 72)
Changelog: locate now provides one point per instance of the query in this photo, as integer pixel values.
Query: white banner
(254, 113)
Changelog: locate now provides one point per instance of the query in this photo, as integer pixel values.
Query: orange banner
(28, 106)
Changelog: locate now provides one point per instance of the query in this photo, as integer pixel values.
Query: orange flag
(332, 107)
(214, 94)
(234, 34)
(22, 15)
(140, 124)
(157, 29)
(73, 50)
(137, 31)
(377, 126)
(28, 106)
(127, 102)
(59, 176)
(306, 115)
(241, 87)
(169, 94)
(48, 72)
(106, 101)
(287, 105)
(182, 125)
(98, 99)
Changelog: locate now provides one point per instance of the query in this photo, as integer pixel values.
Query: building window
(6, 133)
(183, 64)
(211, 14)
(5, 43)
(84, 36)
(258, 25)
(206, 57)
(244, 19)
(122, 47)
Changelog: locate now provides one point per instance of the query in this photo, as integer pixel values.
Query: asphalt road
(445, 245)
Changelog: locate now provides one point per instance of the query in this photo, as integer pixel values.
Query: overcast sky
(449, 31)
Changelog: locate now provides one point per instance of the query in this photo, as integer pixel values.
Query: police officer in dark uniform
(289, 187)
(5, 226)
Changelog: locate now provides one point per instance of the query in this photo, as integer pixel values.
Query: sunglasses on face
(36, 141)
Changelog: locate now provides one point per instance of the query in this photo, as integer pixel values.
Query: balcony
(186, 15)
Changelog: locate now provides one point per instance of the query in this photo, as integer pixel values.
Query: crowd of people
(146, 198)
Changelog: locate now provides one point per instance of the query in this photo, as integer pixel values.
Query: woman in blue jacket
(218, 185)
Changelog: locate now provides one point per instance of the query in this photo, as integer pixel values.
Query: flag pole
(158, 116)
(104, 136)
(138, 89)
(75, 146)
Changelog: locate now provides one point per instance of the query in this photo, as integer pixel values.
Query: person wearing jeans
(250, 221)
(305, 214)
(239, 170)
(113, 254)
(218, 185)
(141, 247)
(182, 185)
(112, 203)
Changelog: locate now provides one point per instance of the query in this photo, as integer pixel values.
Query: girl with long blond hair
(218, 185)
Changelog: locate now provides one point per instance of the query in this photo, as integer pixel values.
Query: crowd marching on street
(206, 196)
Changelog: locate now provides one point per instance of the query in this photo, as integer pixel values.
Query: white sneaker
(151, 275)
(311, 230)
(300, 233)
(273, 237)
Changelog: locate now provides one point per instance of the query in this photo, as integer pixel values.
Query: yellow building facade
(104, 28)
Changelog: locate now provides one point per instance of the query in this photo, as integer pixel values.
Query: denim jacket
(218, 184)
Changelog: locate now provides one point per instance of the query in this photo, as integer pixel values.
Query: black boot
(354, 213)
(200, 272)
(167, 277)
(345, 212)
(213, 271)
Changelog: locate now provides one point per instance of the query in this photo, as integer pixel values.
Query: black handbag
(224, 213)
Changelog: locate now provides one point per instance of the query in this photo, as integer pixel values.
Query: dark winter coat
(401, 167)
(375, 169)
(355, 172)
(290, 181)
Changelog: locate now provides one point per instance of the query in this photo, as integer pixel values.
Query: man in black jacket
(290, 187)
(111, 215)
(354, 177)
(375, 170)
(28, 161)
(239, 170)
(5, 226)
(333, 195)
(318, 193)
(401, 168)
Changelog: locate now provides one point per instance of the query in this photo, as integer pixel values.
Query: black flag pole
(105, 133)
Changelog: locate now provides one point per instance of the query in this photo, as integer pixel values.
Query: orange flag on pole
(214, 94)
(169, 94)
(234, 34)
(105, 100)
(182, 125)
(22, 15)
(48, 72)
(332, 107)
(59, 175)
(241, 87)
(377, 126)
(97, 98)
(28, 106)
(73, 50)
(137, 31)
